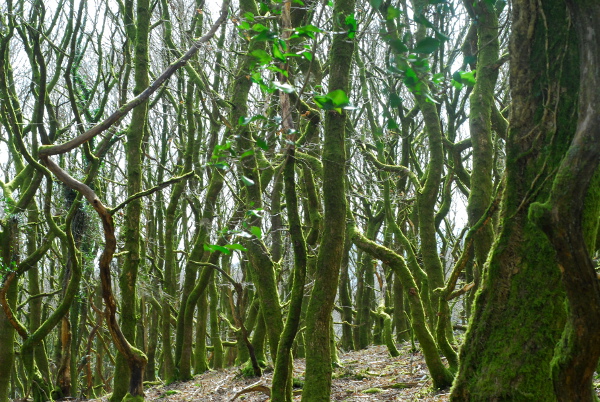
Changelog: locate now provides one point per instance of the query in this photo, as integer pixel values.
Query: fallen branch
(256, 387)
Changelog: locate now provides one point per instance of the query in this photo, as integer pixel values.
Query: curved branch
(47, 150)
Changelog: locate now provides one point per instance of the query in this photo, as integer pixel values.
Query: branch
(29, 299)
(151, 191)
(48, 150)
(16, 324)
(391, 168)
(236, 285)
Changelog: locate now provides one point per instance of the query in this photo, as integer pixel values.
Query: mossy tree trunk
(481, 105)
(129, 373)
(519, 311)
(570, 220)
(318, 365)
(440, 375)
(10, 252)
(262, 266)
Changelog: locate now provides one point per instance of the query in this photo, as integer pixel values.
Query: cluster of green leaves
(412, 64)
(334, 100)
(5, 269)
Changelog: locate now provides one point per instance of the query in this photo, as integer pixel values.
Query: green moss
(297, 382)
(247, 371)
(130, 398)
(372, 391)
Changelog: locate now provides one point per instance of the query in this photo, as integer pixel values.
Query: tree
(521, 299)
(234, 188)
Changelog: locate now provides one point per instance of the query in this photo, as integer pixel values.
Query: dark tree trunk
(519, 311)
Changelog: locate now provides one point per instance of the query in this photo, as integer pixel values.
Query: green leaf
(376, 3)
(323, 102)
(255, 212)
(392, 13)
(287, 88)
(256, 231)
(391, 124)
(398, 46)
(244, 25)
(247, 153)
(259, 28)
(468, 77)
(277, 53)
(429, 97)
(262, 56)
(410, 78)
(335, 99)
(351, 24)
(307, 31)
(338, 97)
(438, 78)
(215, 247)
(456, 84)
(427, 45)
(249, 16)
(247, 181)
(395, 100)
(464, 77)
(236, 247)
(307, 55)
(221, 165)
(277, 70)
(247, 120)
(262, 144)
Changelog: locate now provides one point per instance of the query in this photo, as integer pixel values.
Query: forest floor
(366, 375)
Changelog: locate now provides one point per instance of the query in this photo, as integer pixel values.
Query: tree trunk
(570, 220)
(318, 365)
(519, 311)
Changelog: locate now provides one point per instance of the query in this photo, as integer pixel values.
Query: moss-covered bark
(519, 311)
(481, 106)
(215, 333)
(8, 240)
(440, 375)
(282, 390)
(138, 34)
(262, 267)
(318, 316)
(570, 220)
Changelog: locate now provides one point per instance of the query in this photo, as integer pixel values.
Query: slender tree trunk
(10, 252)
(481, 106)
(318, 365)
(129, 374)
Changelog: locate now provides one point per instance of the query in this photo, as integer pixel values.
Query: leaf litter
(366, 375)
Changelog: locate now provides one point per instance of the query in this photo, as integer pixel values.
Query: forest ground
(366, 375)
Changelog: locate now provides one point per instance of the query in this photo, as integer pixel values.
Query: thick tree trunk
(519, 311)
(570, 219)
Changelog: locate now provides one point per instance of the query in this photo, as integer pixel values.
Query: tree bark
(519, 311)
(318, 365)
(569, 219)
